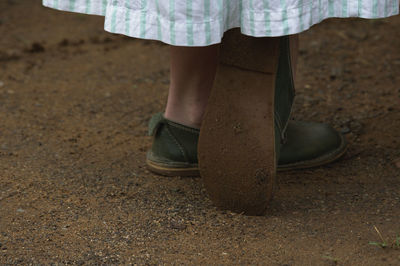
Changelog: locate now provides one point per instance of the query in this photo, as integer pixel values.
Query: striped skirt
(203, 22)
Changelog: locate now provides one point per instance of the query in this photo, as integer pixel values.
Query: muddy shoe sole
(238, 141)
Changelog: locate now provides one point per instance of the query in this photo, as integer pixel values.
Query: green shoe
(174, 149)
(307, 144)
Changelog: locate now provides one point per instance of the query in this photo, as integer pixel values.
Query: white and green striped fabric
(203, 22)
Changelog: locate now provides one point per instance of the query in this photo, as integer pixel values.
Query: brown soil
(74, 106)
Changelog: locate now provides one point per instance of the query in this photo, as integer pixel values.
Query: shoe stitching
(178, 144)
(163, 121)
(279, 124)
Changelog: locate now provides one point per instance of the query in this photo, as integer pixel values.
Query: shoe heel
(237, 142)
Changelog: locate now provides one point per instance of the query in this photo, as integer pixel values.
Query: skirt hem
(145, 24)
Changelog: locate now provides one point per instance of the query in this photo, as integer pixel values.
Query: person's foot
(307, 144)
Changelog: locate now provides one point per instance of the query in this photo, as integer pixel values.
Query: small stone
(178, 226)
(64, 42)
(336, 72)
(345, 130)
(36, 48)
(20, 210)
(1, 83)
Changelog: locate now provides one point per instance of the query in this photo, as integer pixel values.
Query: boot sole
(236, 150)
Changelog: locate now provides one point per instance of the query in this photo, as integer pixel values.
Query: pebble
(1, 83)
(36, 48)
(345, 130)
(20, 210)
(178, 226)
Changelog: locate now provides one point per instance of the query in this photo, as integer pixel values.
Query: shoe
(307, 144)
(174, 149)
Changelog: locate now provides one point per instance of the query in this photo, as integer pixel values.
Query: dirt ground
(74, 189)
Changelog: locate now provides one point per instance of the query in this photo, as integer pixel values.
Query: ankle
(190, 119)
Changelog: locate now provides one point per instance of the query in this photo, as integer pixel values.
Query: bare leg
(192, 76)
